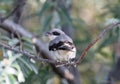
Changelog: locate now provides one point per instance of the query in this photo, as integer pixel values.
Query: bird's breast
(63, 55)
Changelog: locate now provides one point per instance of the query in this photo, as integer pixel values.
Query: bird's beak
(47, 33)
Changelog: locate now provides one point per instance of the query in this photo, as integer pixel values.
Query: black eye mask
(56, 33)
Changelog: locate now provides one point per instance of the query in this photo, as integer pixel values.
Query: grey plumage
(61, 46)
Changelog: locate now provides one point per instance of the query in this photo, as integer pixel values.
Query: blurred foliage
(86, 17)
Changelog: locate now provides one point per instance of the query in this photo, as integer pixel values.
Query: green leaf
(4, 38)
(47, 22)
(45, 6)
(26, 63)
(2, 11)
(12, 79)
(10, 70)
(7, 1)
(20, 76)
(15, 57)
(65, 16)
(34, 68)
(27, 39)
(13, 42)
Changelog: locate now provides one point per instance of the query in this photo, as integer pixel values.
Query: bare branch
(101, 35)
(26, 53)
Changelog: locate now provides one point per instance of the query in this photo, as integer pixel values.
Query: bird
(60, 46)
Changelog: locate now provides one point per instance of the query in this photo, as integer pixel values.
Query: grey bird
(61, 46)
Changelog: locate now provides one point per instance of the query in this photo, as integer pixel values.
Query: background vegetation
(83, 20)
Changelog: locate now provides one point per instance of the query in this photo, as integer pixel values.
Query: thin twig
(36, 58)
(101, 35)
(26, 53)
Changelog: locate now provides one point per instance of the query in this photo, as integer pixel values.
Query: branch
(23, 52)
(101, 35)
(11, 26)
(35, 57)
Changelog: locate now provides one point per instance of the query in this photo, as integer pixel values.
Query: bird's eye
(56, 33)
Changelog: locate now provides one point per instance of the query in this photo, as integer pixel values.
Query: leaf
(47, 22)
(111, 21)
(45, 6)
(7, 1)
(26, 63)
(10, 70)
(20, 76)
(65, 17)
(8, 79)
(15, 57)
(13, 42)
(27, 39)
(4, 52)
(34, 68)
(28, 47)
(12, 79)
(5, 38)
(2, 11)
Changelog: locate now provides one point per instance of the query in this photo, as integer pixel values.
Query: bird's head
(53, 33)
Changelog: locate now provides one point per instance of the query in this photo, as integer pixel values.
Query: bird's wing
(66, 46)
(62, 42)
(61, 46)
